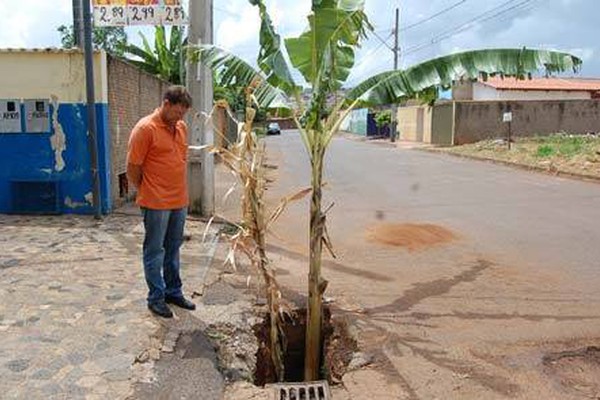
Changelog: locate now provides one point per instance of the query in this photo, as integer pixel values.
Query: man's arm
(134, 174)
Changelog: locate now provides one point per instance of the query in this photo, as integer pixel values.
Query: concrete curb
(562, 174)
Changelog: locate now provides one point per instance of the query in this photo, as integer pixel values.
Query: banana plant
(325, 54)
(165, 60)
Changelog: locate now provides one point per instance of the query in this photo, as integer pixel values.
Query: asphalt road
(466, 319)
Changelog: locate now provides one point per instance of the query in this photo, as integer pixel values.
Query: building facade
(512, 89)
(45, 163)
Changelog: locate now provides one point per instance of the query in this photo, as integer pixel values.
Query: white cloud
(32, 23)
(238, 29)
(567, 25)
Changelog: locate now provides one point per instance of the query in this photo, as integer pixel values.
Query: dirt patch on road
(411, 236)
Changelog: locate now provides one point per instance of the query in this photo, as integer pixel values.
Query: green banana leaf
(236, 72)
(388, 87)
(325, 52)
(164, 60)
(270, 57)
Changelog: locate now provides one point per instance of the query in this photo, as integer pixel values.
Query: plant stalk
(316, 285)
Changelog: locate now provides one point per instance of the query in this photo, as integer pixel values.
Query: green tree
(325, 54)
(112, 39)
(166, 59)
(383, 119)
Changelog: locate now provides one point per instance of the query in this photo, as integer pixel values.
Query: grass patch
(571, 146)
(544, 150)
(556, 153)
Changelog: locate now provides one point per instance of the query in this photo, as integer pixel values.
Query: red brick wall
(132, 94)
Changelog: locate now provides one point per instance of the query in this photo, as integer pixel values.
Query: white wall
(484, 92)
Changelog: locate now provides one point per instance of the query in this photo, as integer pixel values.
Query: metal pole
(509, 127)
(199, 83)
(91, 106)
(396, 54)
(509, 134)
(396, 37)
(77, 22)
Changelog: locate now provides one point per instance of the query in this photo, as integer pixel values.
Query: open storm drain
(318, 390)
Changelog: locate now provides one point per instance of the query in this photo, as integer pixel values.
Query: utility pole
(199, 83)
(396, 57)
(91, 106)
(77, 22)
(396, 39)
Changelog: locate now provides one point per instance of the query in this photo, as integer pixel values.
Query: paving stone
(5, 264)
(72, 318)
(75, 392)
(51, 389)
(117, 375)
(19, 365)
(43, 374)
(88, 381)
(116, 362)
(76, 358)
(72, 376)
(57, 364)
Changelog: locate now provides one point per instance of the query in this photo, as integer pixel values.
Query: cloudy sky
(428, 28)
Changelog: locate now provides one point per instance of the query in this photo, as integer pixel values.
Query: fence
(461, 122)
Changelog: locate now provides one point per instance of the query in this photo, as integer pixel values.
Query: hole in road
(338, 346)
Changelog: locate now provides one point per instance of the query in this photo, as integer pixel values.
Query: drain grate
(318, 390)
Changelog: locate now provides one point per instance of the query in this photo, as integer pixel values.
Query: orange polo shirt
(162, 155)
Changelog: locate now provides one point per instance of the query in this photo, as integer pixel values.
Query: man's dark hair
(178, 94)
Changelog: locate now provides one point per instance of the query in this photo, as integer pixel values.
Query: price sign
(139, 12)
(110, 15)
(174, 15)
(143, 15)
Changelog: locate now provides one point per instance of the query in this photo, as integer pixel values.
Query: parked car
(273, 129)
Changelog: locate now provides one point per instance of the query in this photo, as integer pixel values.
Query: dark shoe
(181, 302)
(161, 309)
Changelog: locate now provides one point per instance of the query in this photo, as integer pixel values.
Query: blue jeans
(164, 235)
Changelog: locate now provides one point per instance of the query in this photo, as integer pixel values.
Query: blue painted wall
(30, 157)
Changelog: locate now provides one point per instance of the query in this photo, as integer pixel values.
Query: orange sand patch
(412, 236)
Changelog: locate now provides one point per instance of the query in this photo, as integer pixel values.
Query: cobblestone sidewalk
(73, 317)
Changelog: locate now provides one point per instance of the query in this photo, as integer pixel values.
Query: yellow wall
(414, 123)
(28, 74)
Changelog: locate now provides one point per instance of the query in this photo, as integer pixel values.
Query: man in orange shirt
(157, 167)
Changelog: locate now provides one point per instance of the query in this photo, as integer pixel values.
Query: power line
(420, 22)
(433, 16)
(483, 17)
(459, 29)
(366, 58)
(373, 51)
(384, 41)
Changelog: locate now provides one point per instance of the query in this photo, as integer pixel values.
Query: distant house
(511, 89)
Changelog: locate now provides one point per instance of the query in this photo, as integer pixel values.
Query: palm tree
(325, 54)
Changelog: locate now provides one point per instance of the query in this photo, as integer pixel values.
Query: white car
(273, 129)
